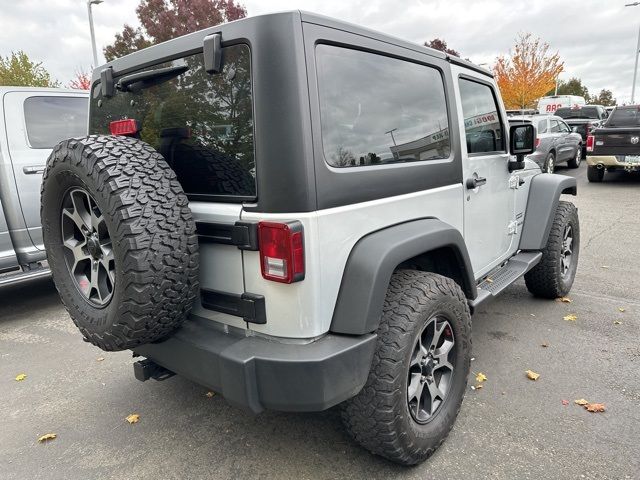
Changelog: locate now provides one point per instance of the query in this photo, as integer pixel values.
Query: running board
(500, 279)
(20, 277)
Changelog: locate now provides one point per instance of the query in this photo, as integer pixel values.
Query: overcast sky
(595, 38)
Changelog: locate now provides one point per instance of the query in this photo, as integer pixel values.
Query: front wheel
(419, 371)
(554, 275)
(595, 174)
(575, 161)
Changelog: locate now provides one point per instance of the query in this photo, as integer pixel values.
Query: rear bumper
(610, 161)
(257, 373)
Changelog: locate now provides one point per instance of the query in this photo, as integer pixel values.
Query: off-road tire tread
(155, 236)
(543, 280)
(372, 417)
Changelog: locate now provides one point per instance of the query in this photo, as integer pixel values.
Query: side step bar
(20, 277)
(500, 279)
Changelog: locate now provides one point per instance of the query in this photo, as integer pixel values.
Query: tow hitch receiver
(146, 369)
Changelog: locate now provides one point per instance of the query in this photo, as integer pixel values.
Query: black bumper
(256, 373)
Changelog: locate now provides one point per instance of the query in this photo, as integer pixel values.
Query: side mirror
(521, 143)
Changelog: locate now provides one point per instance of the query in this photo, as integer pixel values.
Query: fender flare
(374, 258)
(544, 195)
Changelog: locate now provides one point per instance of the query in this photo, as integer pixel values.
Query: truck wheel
(554, 275)
(120, 240)
(419, 371)
(550, 163)
(595, 174)
(575, 161)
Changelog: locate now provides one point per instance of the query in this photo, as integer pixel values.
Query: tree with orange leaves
(527, 73)
(82, 80)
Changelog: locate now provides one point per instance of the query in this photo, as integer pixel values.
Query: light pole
(93, 35)
(635, 68)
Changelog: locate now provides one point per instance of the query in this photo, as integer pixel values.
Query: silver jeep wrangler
(299, 213)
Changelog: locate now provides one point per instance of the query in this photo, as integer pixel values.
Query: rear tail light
(590, 140)
(537, 142)
(281, 251)
(126, 127)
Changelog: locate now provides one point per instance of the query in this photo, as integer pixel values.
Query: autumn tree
(527, 73)
(439, 44)
(162, 20)
(605, 98)
(81, 80)
(17, 70)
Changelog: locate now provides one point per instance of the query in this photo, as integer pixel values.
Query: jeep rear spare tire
(120, 239)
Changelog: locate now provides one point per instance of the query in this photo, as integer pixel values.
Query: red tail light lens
(126, 127)
(590, 141)
(281, 251)
(537, 142)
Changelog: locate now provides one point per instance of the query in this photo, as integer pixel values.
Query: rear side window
(379, 110)
(482, 125)
(201, 123)
(49, 120)
(542, 126)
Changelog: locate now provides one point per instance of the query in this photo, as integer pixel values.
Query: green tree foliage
(605, 97)
(439, 44)
(17, 70)
(573, 86)
(162, 20)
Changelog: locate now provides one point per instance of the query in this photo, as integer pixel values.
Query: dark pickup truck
(615, 145)
(583, 119)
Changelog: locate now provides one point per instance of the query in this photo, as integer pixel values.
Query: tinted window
(580, 112)
(564, 127)
(50, 120)
(377, 110)
(624, 117)
(542, 126)
(201, 123)
(481, 120)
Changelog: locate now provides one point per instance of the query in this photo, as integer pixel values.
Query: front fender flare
(374, 258)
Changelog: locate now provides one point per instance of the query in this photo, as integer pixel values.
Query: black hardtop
(192, 42)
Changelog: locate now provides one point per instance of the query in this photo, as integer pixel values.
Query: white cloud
(596, 38)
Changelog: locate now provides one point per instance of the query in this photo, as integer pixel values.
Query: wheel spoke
(414, 388)
(443, 364)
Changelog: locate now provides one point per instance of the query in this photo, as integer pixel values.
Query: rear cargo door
(35, 123)
(202, 124)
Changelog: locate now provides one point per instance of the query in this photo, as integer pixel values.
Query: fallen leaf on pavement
(617, 322)
(565, 402)
(570, 318)
(621, 309)
(545, 345)
(479, 386)
(21, 377)
(99, 359)
(209, 394)
(46, 437)
(133, 418)
(564, 300)
(531, 375)
(604, 266)
(582, 401)
(595, 407)
(481, 377)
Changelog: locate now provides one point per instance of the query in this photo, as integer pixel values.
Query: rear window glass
(625, 117)
(581, 112)
(49, 120)
(379, 110)
(201, 123)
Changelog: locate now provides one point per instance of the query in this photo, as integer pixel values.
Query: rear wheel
(553, 277)
(120, 240)
(595, 174)
(419, 372)
(550, 163)
(575, 161)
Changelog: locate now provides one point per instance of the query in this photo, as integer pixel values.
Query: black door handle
(474, 182)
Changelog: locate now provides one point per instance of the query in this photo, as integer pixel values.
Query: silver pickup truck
(32, 121)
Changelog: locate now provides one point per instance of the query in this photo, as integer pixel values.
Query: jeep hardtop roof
(192, 42)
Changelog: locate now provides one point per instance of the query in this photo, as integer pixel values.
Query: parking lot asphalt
(511, 428)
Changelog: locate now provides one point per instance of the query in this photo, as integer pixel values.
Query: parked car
(522, 111)
(548, 105)
(32, 121)
(346, 270)
(555, 142)
(616, 145)
(583, 119)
